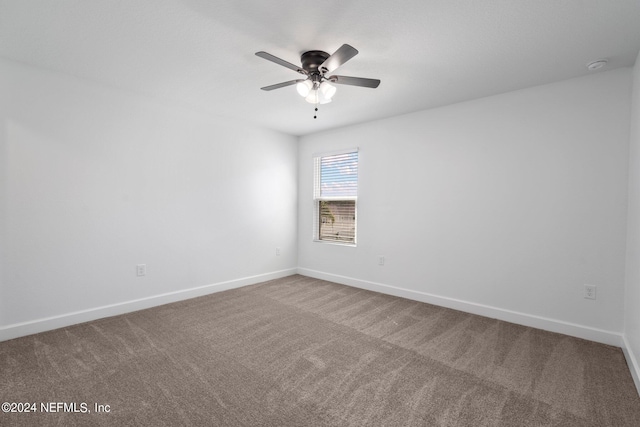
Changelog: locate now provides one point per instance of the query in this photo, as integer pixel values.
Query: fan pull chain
(315, 116)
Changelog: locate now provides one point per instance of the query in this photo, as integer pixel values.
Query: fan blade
(284, 84)
(355, 81)
(279, 61)
(338, 58)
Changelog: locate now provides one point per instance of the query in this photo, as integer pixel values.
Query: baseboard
(46, 324)
(552, 325)
(606, 337)
(632, 361)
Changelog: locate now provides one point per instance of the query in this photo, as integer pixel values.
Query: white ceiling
(199, 54)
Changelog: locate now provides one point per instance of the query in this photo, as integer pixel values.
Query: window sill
(336, 243)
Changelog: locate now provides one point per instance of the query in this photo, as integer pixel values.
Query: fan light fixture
(316, 93)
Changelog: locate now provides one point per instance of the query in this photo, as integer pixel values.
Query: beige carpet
(303, 352)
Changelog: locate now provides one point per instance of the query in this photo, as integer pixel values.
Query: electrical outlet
(380, 259)
(277, 251)
(590, 291)
(141, 269)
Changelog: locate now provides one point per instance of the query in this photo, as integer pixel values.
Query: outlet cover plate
(141, 269)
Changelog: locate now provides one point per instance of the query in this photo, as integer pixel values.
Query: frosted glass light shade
(304, 87)
(328, 90)
(312, 98)
(317, 97)
(322, 95)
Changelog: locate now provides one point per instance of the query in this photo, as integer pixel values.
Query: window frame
(318, 198)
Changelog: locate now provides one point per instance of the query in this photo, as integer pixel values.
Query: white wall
(95, 181)
(505, 206)
(632, 295)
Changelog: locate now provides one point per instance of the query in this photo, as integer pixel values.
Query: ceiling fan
(316, 88)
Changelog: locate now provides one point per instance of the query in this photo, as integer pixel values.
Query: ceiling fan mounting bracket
(313, 59)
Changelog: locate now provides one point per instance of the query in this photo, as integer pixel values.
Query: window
(335, 192)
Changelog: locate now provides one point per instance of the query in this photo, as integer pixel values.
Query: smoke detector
(596, 65)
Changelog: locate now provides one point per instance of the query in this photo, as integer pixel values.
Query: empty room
(338, 213)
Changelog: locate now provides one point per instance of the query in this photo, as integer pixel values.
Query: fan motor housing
(312, 59)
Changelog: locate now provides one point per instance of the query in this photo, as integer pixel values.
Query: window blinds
(337, 177)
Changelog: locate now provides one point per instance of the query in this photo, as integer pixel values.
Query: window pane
(339, 175)
(337, 220)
